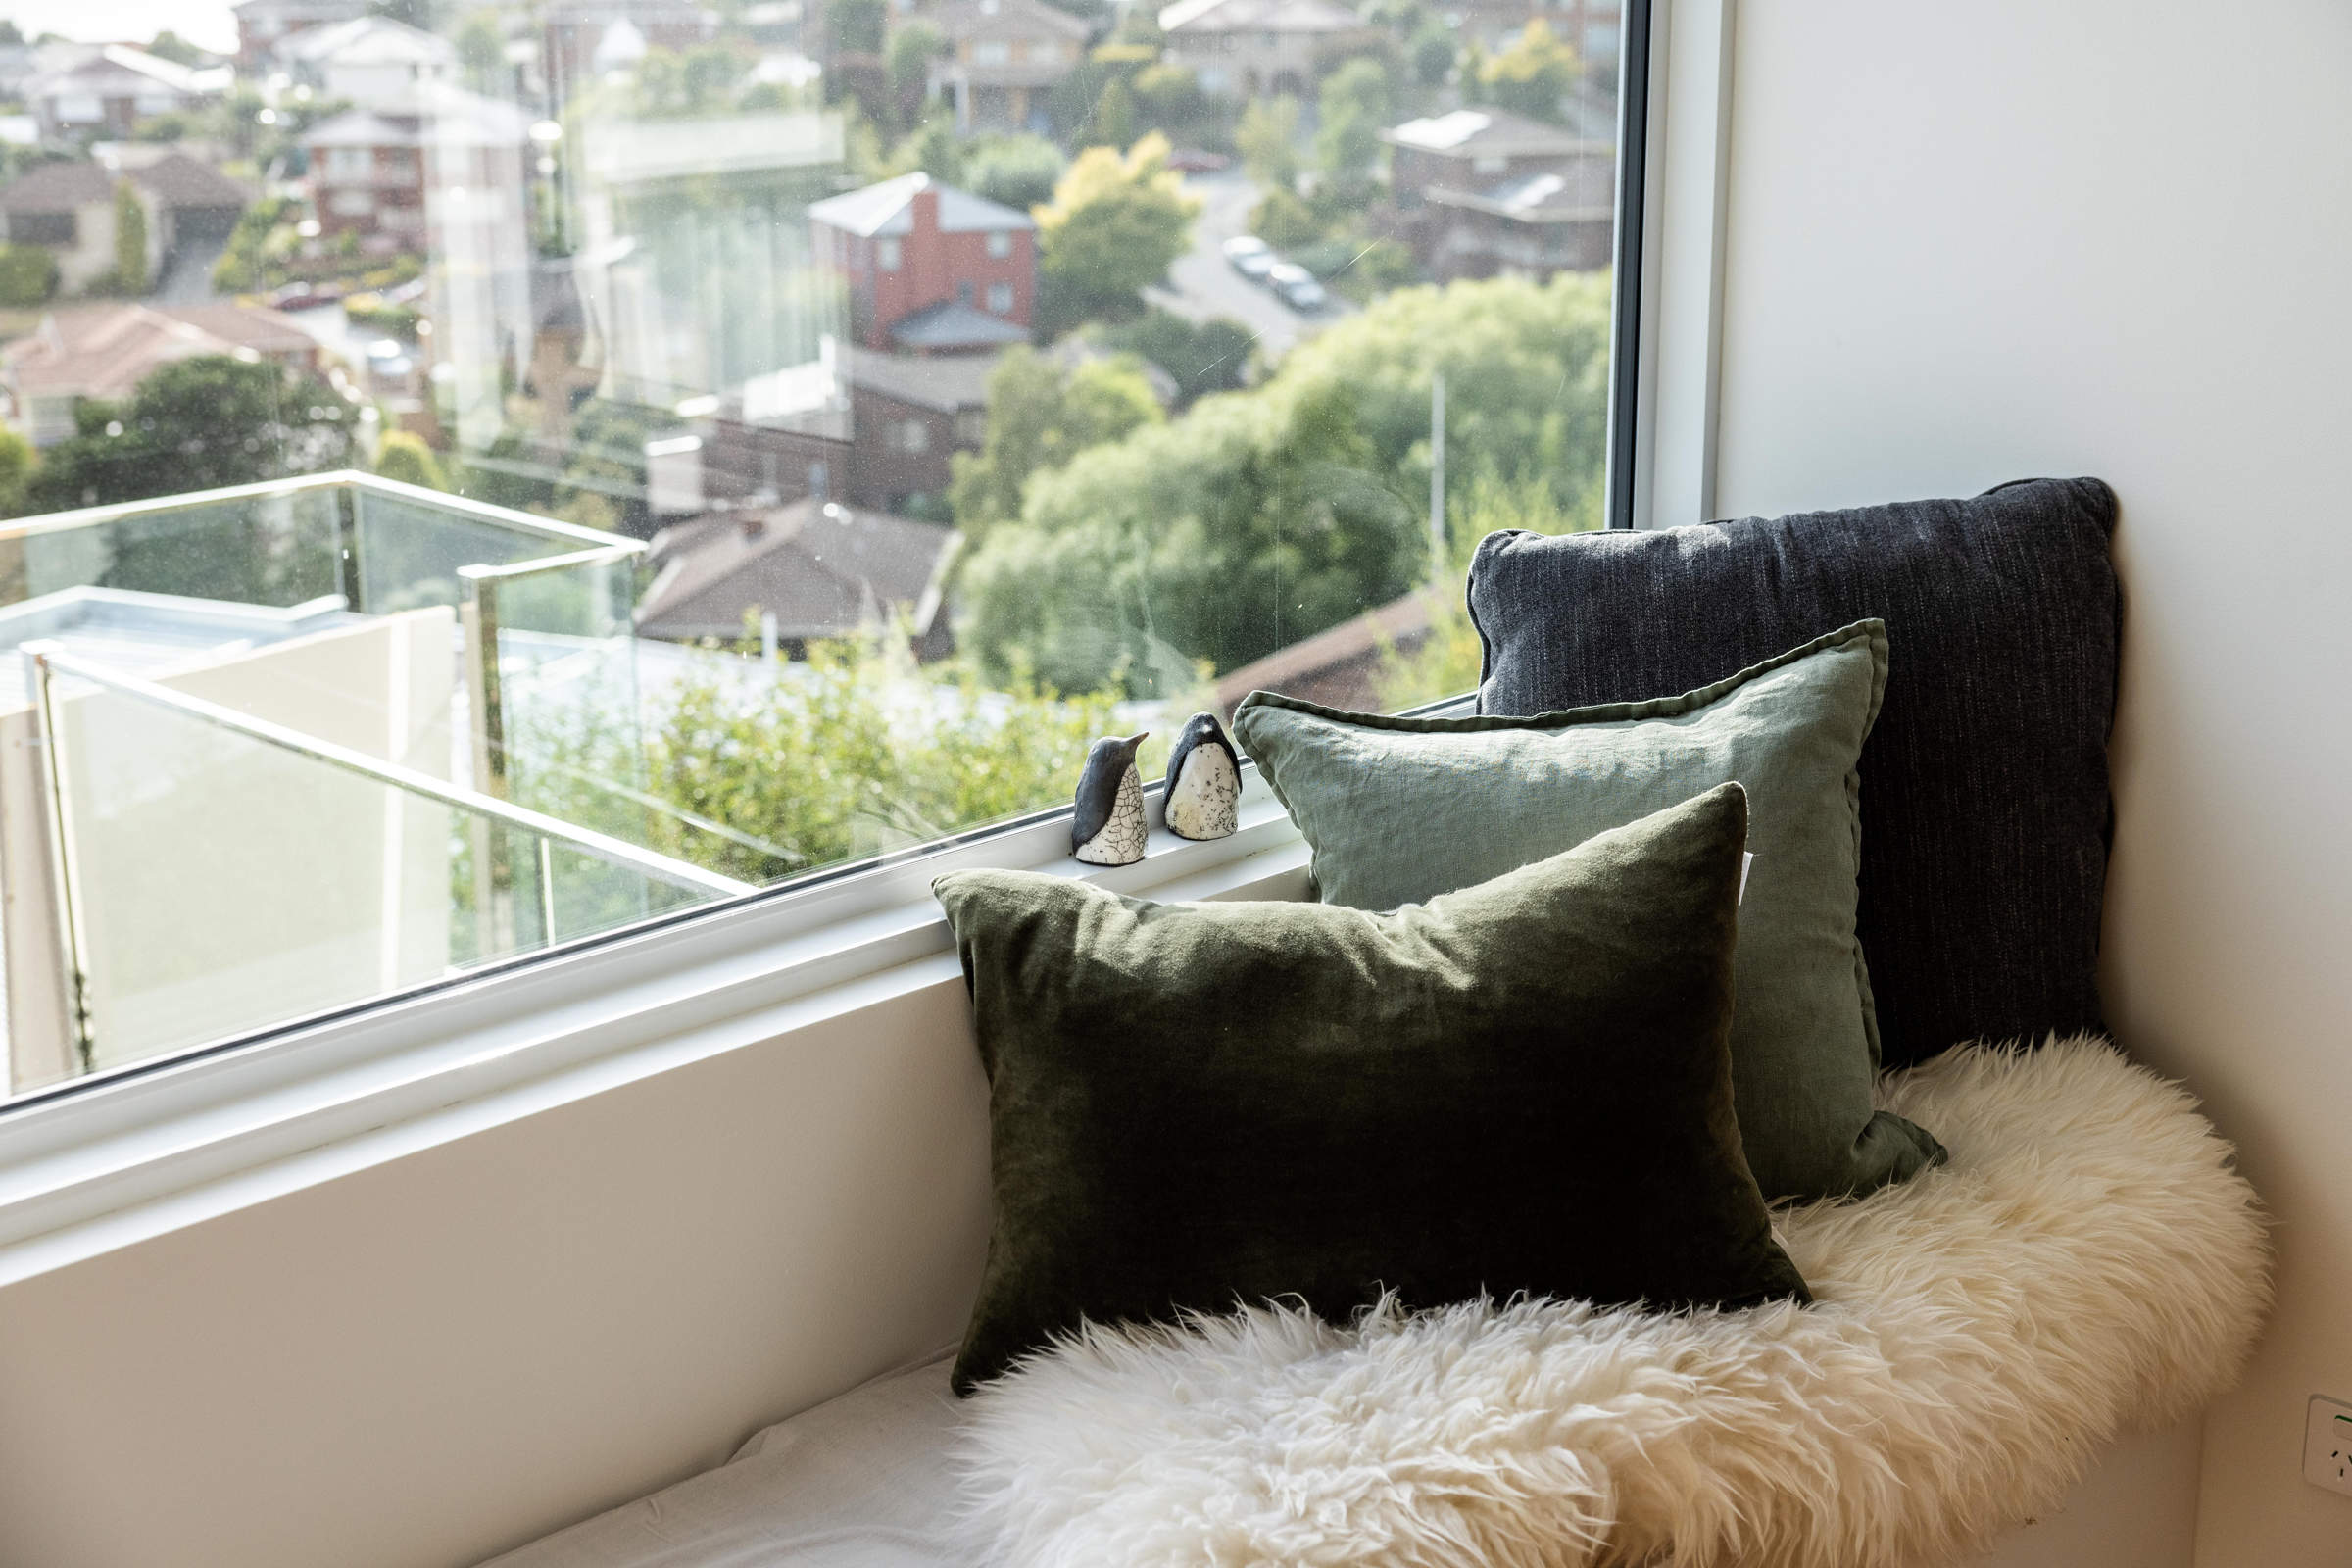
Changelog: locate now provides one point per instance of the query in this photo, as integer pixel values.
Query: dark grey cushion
(1984, 798)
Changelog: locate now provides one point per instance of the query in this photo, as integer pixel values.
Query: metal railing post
(63, 869)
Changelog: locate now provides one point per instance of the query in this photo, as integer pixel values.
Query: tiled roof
(178, 181)
(1485, 132)
(1339, 668)
(1258, 15)
(432, 113)
(1009, 18)
(367, 40)
(821, 569)
(105, 351)
(954, 324)
(889, 209)
(58, 189)
(1586, 190)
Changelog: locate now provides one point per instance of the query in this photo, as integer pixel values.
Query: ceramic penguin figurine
(1109, 829)
(1204, 797)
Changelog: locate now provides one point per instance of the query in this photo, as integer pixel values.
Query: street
(1204, 285)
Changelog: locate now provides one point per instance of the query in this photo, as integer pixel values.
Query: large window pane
(784, 434)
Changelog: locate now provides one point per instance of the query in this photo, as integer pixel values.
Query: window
(43, 228)
(990, 53)
(459, 656)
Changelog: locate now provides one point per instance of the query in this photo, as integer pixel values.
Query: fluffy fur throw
(2089, 1262)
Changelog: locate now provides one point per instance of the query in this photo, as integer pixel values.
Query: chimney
(927, 209)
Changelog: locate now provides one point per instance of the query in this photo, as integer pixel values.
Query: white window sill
(117, 1162)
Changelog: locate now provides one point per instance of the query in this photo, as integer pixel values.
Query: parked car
(1296, 286)
(1249, 256)
(1195, 161)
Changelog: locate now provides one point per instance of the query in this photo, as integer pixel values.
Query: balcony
(274, 751)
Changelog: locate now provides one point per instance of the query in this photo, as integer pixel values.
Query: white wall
(1969, 243)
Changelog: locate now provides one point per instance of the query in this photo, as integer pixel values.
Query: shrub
(28, 277)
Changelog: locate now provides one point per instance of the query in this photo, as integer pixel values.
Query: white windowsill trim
(119, 1163)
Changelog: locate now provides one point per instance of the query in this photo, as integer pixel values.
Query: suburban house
(1241, 48)
(1594, 29)
(264, 24)
(1483, 192)
(369, 166)
(1005, 57)
(818, 568)
(108, 90)
(930, 268)
(105, 351)
(68, 209)
(907, 417)
(370, 62)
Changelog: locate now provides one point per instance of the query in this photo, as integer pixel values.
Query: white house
(109, 89)
(373, 62)
(1240, 48)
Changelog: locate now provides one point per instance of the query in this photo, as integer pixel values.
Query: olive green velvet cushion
(1520, 1087)
(1398, 811)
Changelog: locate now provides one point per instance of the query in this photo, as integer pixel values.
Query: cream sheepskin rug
(2089, 1262)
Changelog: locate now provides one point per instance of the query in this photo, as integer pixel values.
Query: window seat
(2090, 1264)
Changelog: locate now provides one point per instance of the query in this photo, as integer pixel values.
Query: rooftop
(175, 181)
(952, 325)
(1009, 19)
(1585, 191)
(369, 40)
(1258, 15)
(889, 209)
(821, 569)
(432, 113)
(105, 351)
(1485, 132)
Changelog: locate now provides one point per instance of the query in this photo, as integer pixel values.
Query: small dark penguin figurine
(1109, 829)
(1204, 797)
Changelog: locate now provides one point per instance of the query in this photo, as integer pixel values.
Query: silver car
(1249, 256)
(1296, 286)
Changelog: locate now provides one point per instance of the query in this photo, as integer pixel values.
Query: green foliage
(1114, 117)
(405, 456)
(855, 751)
(1040, 416)
(1284, 220)
(169, 45)
(130, 240)
(1203, 356)
(28, 277)
(1268, 140)
(1354, 107)
(854, 27)
(1361, 268)
(1261, 517)
(370, 312)
(702, 80)
(1021, 170)
(1115, 226)
(913, 45)
(18, 459)
(1168, 97)
(196, 425)
(1433, 53)
(1532, 75)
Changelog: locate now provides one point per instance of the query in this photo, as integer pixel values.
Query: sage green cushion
(1398, 811)
(1524, 1086)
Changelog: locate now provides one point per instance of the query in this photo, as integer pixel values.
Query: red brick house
(930, 269)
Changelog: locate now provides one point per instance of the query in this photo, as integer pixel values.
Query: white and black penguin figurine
(1109, 827)
(1204, 797)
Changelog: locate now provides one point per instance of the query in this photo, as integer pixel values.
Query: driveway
(1202, 285)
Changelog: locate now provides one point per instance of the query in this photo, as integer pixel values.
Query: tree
(1354, 107)
(1114, 117)
(1040, 416)
(1260, 517)
(16, 462)
(1433, 53)
(1115, 226)
(1268, 140)
(1203, 356)
(1021, 170)
(197, 424)
(1284, 220)
(129, 274)
(405, 456)
(1168, 96)
(27, 275)
(912, 48)
(1532, 75)
(169, 45)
